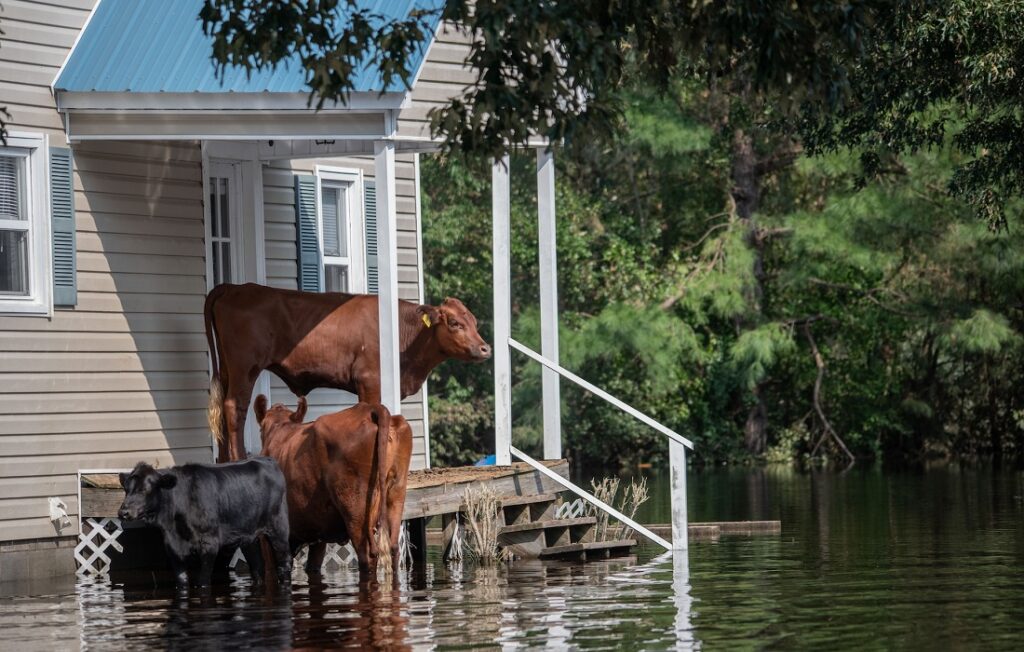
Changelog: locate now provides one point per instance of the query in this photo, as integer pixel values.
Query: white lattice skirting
(98, 535)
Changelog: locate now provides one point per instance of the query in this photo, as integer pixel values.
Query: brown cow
(315, 340)
(336, 483)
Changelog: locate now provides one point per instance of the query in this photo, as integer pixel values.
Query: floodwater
(926, 560)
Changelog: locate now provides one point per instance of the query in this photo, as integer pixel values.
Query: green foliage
(553, 68)
(914, 304)
(983, 332)
(756, 351)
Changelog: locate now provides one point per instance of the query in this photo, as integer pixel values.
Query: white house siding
(122, 376)
(279, 216)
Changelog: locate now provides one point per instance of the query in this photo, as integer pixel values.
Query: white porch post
(552, 409)
(677, 482)
(387, 261)
(501, 212)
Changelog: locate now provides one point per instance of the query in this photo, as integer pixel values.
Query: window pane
(225, 223)
(14, 262)
(218, 278)
(226, 265)
(10, 188)
(335, 278)
(329, 212)
(214, 205)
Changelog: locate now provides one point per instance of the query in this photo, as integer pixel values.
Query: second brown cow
(312, 340)
(346, 476)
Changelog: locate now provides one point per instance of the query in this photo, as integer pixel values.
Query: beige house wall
(122, 376)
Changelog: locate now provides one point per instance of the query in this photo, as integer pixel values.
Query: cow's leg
(315, 558)
(254, 558)
(206, 561)
(236, 405)
(366, 555)
(179, 568)
(394, 533)
(282, 555)
(369, 392)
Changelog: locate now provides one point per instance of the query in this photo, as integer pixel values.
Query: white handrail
(636, 414)
(590, 498)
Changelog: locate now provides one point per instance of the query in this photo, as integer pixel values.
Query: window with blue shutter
(370, 213)
(30, 234)
(310, 266)
(62, 211)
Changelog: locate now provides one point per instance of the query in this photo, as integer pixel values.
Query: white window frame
(38, 301)
(356, 260)
(235, 241)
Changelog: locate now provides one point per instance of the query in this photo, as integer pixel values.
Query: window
(223, 218)
(341, 229)
(24, 226)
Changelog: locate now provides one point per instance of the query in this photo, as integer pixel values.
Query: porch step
(548, 525)
(591, 550)
(527, 500)
(527, 539)
(520, 510)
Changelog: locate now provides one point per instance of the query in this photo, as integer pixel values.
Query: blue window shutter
(62, 217)
(310, 266)
(370, 213)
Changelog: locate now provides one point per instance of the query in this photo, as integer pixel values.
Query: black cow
(204, 508)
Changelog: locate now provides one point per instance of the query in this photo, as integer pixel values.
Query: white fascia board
(173, 102)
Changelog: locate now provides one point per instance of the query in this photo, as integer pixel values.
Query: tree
(551, 68)
(938, 73)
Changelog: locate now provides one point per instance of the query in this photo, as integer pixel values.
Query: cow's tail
(215, 408)
(382, 417)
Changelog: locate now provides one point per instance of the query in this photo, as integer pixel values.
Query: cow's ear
(167, 481)
(260, 408)
(300, 410)
(429, 315)
(123, 479)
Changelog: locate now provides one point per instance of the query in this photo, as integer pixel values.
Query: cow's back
(225, 503)
(309, 339)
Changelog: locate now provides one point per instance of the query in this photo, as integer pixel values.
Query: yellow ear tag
(426, 320)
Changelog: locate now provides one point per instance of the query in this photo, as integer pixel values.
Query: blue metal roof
(150, 46)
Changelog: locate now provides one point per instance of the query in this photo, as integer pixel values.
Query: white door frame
(240, 162)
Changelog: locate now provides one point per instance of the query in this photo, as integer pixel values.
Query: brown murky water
(927, 560)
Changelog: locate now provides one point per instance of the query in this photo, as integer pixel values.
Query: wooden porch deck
(431, 492)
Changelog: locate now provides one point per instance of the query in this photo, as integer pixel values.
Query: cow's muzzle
(482, 352)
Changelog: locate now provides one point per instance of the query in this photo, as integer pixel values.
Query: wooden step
(591, 550)
(527, 539)
(518, 510)
(548, 525)
(512, 501)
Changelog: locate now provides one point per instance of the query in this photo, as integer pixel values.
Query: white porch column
(552, 409)
(502, 260)
(387, 261)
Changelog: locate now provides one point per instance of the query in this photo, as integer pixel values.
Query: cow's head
(456, 331)
(143, 489)
(270, 418)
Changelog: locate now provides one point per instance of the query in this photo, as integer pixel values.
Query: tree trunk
(746, 195)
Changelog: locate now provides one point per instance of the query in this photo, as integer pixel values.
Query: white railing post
(387, 261)
(502, 261)
(548, 268)
(677, 473)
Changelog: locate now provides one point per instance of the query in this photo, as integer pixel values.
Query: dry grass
(633, 496)
(606, 490)
(482, 525)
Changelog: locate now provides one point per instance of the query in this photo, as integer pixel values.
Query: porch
(266, 120)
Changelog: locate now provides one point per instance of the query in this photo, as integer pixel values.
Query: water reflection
(928, 560)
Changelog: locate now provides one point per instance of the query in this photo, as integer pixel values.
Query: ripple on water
(854, 568)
